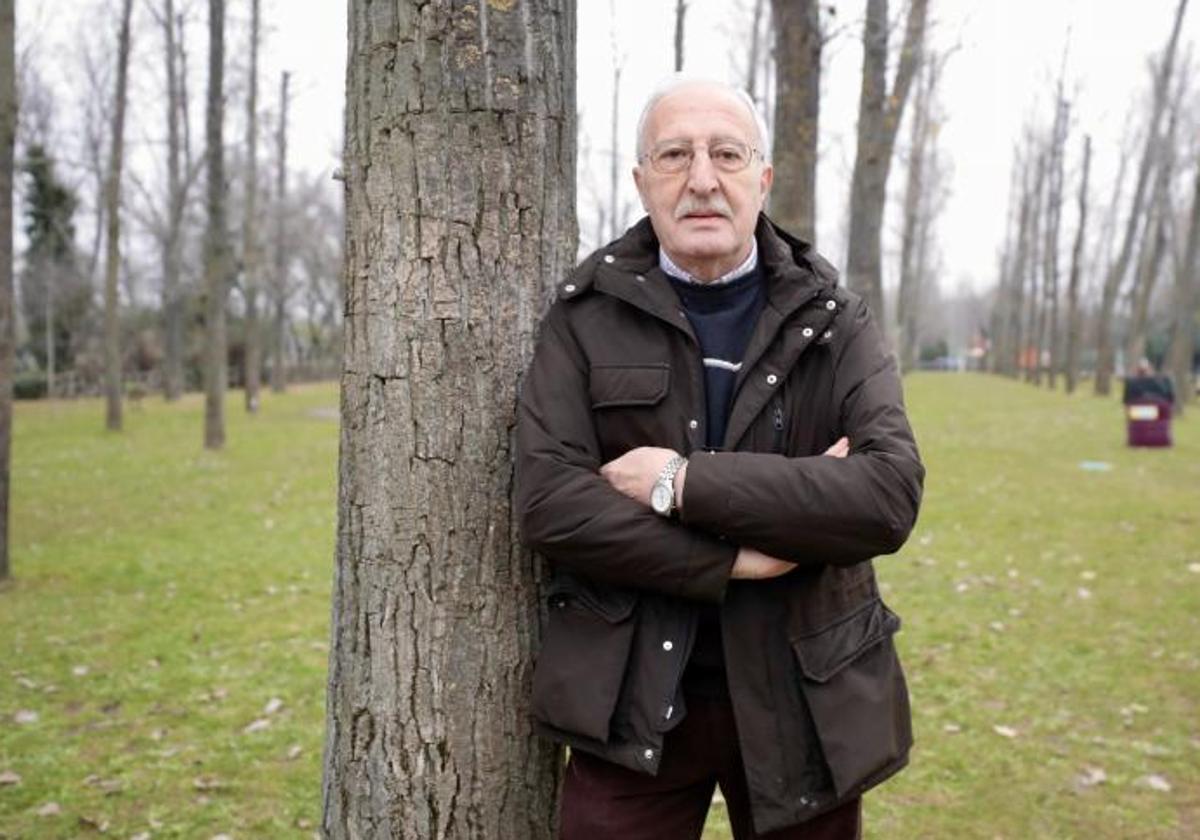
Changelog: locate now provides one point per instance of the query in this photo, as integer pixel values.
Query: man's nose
(702, 175)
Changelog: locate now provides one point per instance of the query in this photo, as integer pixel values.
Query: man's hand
(635, 472)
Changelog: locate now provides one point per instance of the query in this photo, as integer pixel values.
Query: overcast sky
(1007, 57)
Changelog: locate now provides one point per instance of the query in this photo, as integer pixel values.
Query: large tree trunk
(173, 314)
(1183, 334)
(8, 133)
(1074, 321)
(250, 251)
(879, 113)
(435, 611)
(216, 244)
(112, 251)
(1105, 354)
(797, 111)
(280, 281)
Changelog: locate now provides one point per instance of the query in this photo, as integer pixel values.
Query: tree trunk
(173, 314)
(879, 113)
(435, 609)
(798, 44)
(614, 171)
(1030, 351)
(1116, 272)
(250, 251)
(112, 250)
(756, 40)
(8, 134)
(680, 11)
(278, 375)
(1074, 322)
(1048, 334)
(1183, 334)
(216, 245)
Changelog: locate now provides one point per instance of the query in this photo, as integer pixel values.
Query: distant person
(712, 446)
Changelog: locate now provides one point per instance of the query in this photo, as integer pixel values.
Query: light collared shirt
(668, 267)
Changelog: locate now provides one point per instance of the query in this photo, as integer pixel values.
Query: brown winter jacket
(818, 693)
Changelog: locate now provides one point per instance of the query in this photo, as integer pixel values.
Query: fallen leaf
(25, 716)
(1084, 593)
(256, 726)
(50, 809)
(1091, 776)
(8, 777)
(273, 706)
(207, 783)
(1006, 731)
(94, 825)
(141, 835)
(1087, 575)
(1194, 568)
(294, 752)
(952, 728)
(1155, 782)
(222, 837)
(997, 626)
(80, 670)
(25, 682)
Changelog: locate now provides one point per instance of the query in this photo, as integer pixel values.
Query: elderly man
(712, 446)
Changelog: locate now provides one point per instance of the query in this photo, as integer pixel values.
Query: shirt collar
(669, 268)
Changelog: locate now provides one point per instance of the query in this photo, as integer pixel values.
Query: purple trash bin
(1148, 423)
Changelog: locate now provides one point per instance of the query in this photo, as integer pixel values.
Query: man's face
(704, 217)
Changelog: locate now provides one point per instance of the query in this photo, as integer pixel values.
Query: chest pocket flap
(611, 386)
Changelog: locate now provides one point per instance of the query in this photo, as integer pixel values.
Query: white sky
(1008, 57)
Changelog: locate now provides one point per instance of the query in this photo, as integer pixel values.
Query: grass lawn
(163, 646)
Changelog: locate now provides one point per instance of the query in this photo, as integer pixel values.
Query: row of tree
(1042, 332)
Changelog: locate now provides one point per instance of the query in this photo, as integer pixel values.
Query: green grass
(1053, 602)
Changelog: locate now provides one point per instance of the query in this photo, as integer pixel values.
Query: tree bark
(1116, 273)
(8, 134)
(1048, 334)
(216, 243)
(280, 282)
(1182, 349)
(250, 252)
(680, 11)
(1074, 321)
(798, 44)
(112, 251)
(460, 178)
(1030, 350)
(879, 113)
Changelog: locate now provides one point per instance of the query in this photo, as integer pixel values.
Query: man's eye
(728, 154)
(673, 154)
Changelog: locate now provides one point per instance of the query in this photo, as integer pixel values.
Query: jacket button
(570, 287)
(772, 378)
(648, 755)
(641, 278)
(668, 645)
(806, 332)
(667, 714)
(828, 334)
(693, 424)
(608, 258)
(830, 305)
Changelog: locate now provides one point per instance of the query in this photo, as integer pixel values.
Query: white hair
(677, 81)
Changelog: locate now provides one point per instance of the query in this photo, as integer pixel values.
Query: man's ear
(765, 180)
(637, 180)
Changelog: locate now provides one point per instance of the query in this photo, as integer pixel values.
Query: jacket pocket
(855, 689)
(612, 386)
(585, 648)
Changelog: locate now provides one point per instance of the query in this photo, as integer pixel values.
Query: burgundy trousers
(604, 801)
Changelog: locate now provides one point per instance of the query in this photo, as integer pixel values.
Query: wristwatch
(662, 494)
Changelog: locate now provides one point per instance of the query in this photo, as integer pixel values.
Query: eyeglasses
(674, 156)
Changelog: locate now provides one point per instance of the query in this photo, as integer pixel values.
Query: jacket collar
(628, 269)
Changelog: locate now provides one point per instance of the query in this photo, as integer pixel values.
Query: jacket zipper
(778, 422)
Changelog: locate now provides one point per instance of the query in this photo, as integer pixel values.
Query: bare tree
(279, 283)
(1153, 246)
(435, 608)
(616, 217)
(216, 244)
(756, 48)
(797, 110)
(879, 113)
(1182, 349)
(680, 11)
(1047, 330)
(251, 258)
(1074, 325)
(112, 212)
(1105, 354)
(1029, 349)
(918, 209)
(8, 136)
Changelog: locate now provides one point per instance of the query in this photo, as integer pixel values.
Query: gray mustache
(691, 205)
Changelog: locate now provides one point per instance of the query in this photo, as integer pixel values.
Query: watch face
(660, 498)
